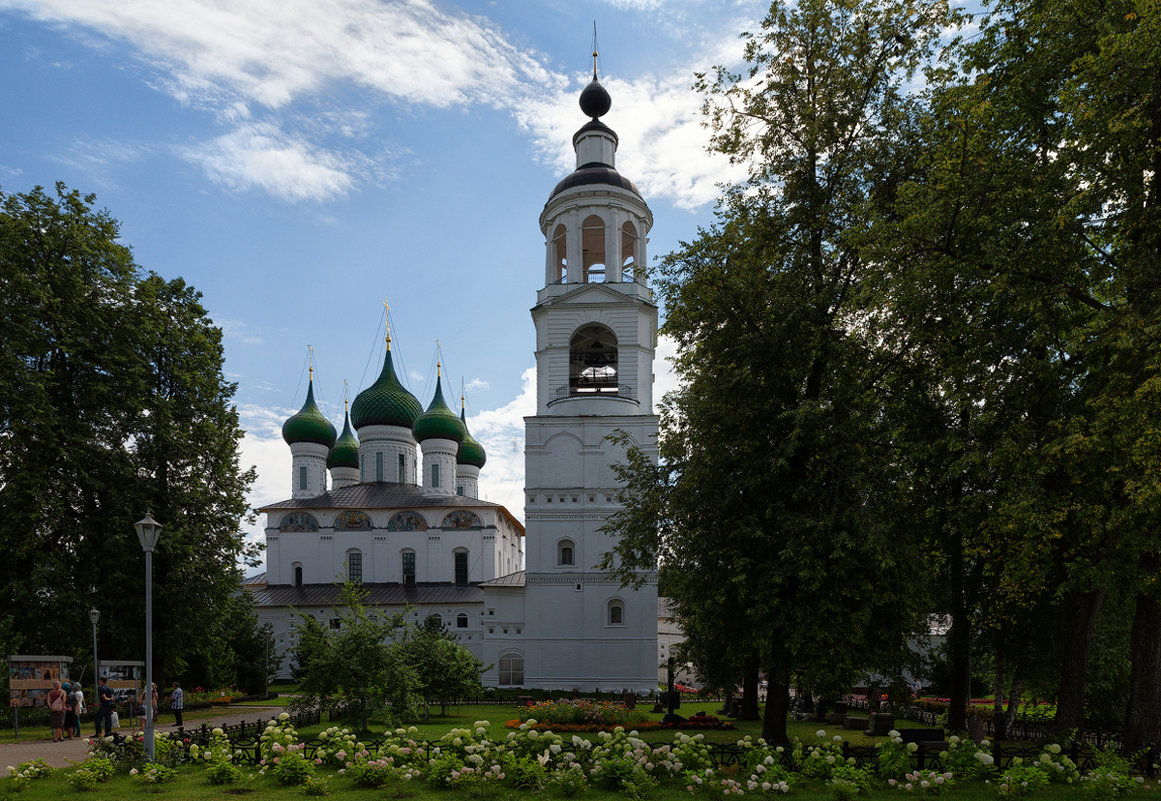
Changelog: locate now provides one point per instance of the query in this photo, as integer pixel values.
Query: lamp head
(148, 532)
(94, 615)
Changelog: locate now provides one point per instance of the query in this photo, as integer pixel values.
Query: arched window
(297, 575)
(593, 250)
(302, 482)
(435, 475)
(564, 553)
(461, 558)
(435, 621)
(461, 621)
(560, 253)
(355, 567)
(511, 669)
(628, 252)
(592, 361)
(407, 567)
(616, 615)
(400, 472)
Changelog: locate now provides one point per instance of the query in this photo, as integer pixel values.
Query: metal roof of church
(386, 594)
(511, 580)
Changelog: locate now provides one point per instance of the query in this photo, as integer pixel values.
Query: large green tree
(770, 515)
(112, 403)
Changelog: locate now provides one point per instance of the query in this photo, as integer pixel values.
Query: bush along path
(528, 759)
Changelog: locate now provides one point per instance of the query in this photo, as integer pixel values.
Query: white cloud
(664, 377)
(658, 120)
(260, 156)
(501, 432)
(274, 54)
(243, 332)
(273, 51)
(263, 448)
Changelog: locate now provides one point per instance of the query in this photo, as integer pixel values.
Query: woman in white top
(79, 697)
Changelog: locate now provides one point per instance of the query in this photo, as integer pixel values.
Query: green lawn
(496, 715)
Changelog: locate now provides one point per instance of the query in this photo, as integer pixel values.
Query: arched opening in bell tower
(560, 254)
(592, 362)
(593, 250)
(628, 252)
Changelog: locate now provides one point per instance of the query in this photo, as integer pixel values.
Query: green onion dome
(438, 422)
(309, 425)
(471, 451)
(386, 402)
(345, 452)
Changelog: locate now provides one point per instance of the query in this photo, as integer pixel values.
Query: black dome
(588, 174)
(594, 100)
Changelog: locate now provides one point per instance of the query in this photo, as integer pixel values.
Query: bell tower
(596, 331)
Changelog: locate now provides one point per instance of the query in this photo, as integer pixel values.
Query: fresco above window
(299, 521)
(407, 521)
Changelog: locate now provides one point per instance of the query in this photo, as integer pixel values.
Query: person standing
(177, 703)
(57, 701)
(70, 719)
(79, 703)
(105, 708)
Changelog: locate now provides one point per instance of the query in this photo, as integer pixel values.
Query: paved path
(70, 752)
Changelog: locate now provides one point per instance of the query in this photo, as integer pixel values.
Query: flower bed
(705, 722)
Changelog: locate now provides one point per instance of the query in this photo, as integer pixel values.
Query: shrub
(1019, 779)
(153, 774)
(571, 781)
(848, 782)
(1110, 779)
(967, 760)
(24, 773)
(1058, 767)
(892, 757)
(317, 785)
(923, 783)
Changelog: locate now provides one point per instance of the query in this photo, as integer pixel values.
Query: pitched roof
(384, 594)
(511, 580)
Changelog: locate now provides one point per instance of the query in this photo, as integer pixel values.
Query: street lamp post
(94, 616)
(148, 531)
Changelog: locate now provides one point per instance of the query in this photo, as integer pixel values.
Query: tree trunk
(1080, 617)
(777, 705)
(1004, 723)
(998, 690)
(958, 636)
(749, 708)
(1143, 719)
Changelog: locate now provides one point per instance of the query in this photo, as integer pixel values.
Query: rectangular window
(355, 567)
(461, 568)
(302, 478)
(402, 464)
(435, 475)
(379, 467)
(409, 568)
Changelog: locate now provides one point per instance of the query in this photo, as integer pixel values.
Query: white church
(392, 502)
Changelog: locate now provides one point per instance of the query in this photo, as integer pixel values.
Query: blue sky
(300, 160)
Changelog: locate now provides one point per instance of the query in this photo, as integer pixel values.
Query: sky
(301, 161)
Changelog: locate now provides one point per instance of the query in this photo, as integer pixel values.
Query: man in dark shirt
(105, 710)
